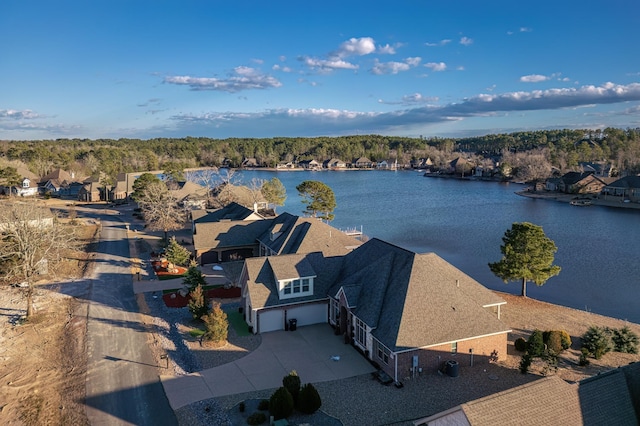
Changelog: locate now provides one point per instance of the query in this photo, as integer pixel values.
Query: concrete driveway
(309, 350)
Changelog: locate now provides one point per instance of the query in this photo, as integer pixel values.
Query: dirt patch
(43, 361)
(524, 315)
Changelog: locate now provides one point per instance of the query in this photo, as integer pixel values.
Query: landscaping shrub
(197, 303)
(292, 382)
(309, 400)
(217, 325)
(525, 363)
(624, 340)
(281, 404)
(256, 418)
(520, 344)
(584, 360)
(535, 344)
(263, 405)
(193, 278)
(554, 341)
(177, 254)
(597, 341)
(566, 339)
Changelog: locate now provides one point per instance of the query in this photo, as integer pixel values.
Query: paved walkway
(308, 350)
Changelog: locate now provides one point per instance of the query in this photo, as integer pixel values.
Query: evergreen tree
(193, 278)
(197, 303)
(528, 255)
(319, 198)
(217, 325)
(177, 254)
(274, 192)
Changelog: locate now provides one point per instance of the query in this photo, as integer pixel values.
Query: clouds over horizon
(312, 120)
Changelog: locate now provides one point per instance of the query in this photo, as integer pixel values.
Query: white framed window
(454, 347)
(305, 285)
(361, 333)
(287, 287)
(383, 353)
(296, 287)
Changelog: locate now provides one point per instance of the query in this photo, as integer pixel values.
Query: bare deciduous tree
(31, 239)
(160, 208)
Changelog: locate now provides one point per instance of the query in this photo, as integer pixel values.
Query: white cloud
(356, 47)
(13, 114)
(413, 99)
(436, 66)
(328, 64)
(439, 43)
(277, 67)
(386, 50)
(380, 68)
(525, 30)
(534, 78)
(466, 41)
(243, 78)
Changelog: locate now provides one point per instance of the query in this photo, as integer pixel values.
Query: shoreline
(566, 198)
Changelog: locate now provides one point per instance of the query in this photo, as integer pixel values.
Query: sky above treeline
(145, 69)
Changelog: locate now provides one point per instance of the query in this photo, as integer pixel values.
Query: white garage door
(270, 321)
(309, 314)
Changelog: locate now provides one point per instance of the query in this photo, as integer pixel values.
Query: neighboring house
(362, 163)
(309, 165)
(334, 163)
(580, 183)
(605, 399)
(387, 165)
(190, 195)
(235, 233)
(460, 166)
(599, 169)
(27, 188)
(286, 165)
(552, 184)
(119, 191)
(402, 310)
(91, 190)
(249, 162)
(626, 188)
(61, 183)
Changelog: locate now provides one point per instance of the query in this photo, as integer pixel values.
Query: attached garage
(271, 320)
(309, 314)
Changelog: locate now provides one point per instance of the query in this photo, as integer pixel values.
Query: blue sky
(144, 69)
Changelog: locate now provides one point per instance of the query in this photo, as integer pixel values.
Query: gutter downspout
(395, 375)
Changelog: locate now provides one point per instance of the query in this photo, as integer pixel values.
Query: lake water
(464, 222)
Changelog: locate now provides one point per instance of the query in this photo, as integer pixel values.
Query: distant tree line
(560, 149)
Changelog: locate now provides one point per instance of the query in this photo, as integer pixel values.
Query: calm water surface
(464, 222)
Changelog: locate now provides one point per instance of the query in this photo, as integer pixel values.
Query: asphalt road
(123, 386)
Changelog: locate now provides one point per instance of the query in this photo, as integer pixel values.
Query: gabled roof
(294, 234)
(401, 291)
(232, 211)
(261, 271)
(574, 177)
(188, 188)
(210, 235)
(58, 178)
(626, 182)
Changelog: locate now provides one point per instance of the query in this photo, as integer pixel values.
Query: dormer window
(26, 183)
(297, 287)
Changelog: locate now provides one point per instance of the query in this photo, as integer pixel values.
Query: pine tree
(177, 254)
(217, 325)
(198, 303)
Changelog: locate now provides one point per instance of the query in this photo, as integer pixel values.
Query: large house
(236, 232)
(626, 188)
(60, 182)
(402, 310)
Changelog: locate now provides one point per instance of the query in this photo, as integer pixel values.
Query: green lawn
(237, 322)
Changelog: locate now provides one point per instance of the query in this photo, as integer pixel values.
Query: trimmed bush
(256, 418)
(624, 340)
(292, 382)
(566, 339)
(520, 344)
(309, 400)
(535, 344)
(597, 341)
(263, 405)
(554, 341)
(281, 404)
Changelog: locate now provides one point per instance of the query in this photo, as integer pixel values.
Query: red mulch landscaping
(175, 300)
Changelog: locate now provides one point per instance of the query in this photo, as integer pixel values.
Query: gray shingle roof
(415, 300)
(233, 211)
(306, 235)
(227, 234)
